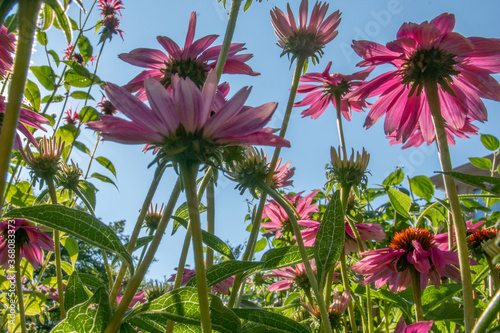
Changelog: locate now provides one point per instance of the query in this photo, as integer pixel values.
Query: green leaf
(55, 99)
(55, 56)
(88, 190)
(422, 186)
(142, 241)
(61, 18)
(489, 184)
(71, 245)
(76, 223)
(271, 320)
(85, 48)
(210, 240)
(67, 133)
(490, 142)
(399, 301)
(78, 94)
(91, 281)
(107, 164)
(67, 267)
(183, 213)
(93, 315)
(182, 305)
(47, 18)
(34, 303)
(260, 245)
(81, 147)
(481, 162)
(248, 3)
(75, 292)
(282, 257)
(103, 178)
(432, 297)
(45, 75)
(395, 178)
(400, 201)
(32, 94)
(41, 37)
(150, 323)
(75, 79)
(330, 237)
(226, 269)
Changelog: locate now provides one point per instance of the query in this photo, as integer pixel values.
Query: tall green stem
(488, 315)
(339, 123)
(431, 91)
(228, 37)
(210, 219)
(28, 15)
(493, 273)
(417, 294)
(189, 173)
(347, 288)
(19, 286)
(57, 250)
(135, 233)
(134, 283)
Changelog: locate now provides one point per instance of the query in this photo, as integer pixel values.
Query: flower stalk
(228, 37)
(431, 91)
(417, 294)
(19, 286)
(339, 123)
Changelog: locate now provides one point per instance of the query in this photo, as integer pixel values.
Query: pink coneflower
(221, 287)
(280, 222)
(442, 239)
(7, 47)
(26, 118)
(71, 117)
(429, 52)
(180, 122)
(305, 39)
(31, 240)
(331, 85)
(295, 276)
(282, 175)
(336, 310)
(139, 297)
(194, 61)
(420, 327)
(412, 248)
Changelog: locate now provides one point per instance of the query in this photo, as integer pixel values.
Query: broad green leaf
(91, 281)
(142, 241)
(76, 223)
(260, 245)
(63, 327)
(399, 301)
(83, 71)
(62, 19)
(330, 237)
(67, 267)
(226, 269)
(481, 162)
(55, 56)
(422, 186)
(210, 240)
(34, 303)
(107, 164)
(45, 75)
(47, 17)
(68, 133)
(71, 246)
(282, 257)
(75, 292)
(151, 323)
(41, 37)
(20, 195)
(55, 99)
(395, 178)
(88, 190)
(400, 201)
(93, 315)
(490, 142)
(271, 320)
(85, 48)
(183, 213)
(447, 312)
(103, 178)
(252, 327)
(32, 94)
(489, 184)
(182, 305)
(432, 297)
(75, 79)
(78, 94)
(81, 147)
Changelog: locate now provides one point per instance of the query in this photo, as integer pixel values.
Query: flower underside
(302, 281)
(333, 90)
(303, 43)
(429, 65)
(185, 68)
(21, 237)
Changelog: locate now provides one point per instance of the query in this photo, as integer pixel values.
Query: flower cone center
(404, 239)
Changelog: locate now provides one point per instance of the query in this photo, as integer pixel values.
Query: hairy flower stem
(28, 15)
(488, 315)
(231, 24)
(339, 124)
(145, 248)
(431, 91)
(417, 294)
(189, 173)
(493, 274)
(57, 250)
(135, 233)
(19, 286)
(210, 219)
(303, 252)
(329, 285)
(134, 283)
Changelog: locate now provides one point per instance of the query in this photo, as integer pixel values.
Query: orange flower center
(404, 239)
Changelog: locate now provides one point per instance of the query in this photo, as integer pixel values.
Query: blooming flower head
(336, 310)
(479, 237)
(280, 222)
(194, 61)
(305, 40)
(282, 175)
(429, 53)
(7, 47)
(139, 297)
(442, 239)
(153, 217)
(331, 85)
(26, 118)
(109, 10)
(29, 238)
(111, 7)
(106, 107)
(71, 117)
(412, 248)
(221, 287)
(420, 327)
(295, 277)
(180, 122)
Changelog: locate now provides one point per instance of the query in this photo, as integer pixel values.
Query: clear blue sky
(311, 139)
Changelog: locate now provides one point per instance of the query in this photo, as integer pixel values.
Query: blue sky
(377, 21)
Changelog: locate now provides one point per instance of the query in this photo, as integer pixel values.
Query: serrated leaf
(45, 75)
(78, 94)
(282, 257)
(395, 178)
(271, 320)
(103, 178)
(490, 142)
(62, 18)
(34, 303)
(32, 94)
(481, 162)
(489, 184)
(75, 292)
(76, 223)
(400, 201)
(85, 48)
(422, 186)
(71, 246)
(93, 315)
(226, 269)
(107, 164)
(330, 237)
(210, 240)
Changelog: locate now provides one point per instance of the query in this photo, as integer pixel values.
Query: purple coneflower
(221, 287)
